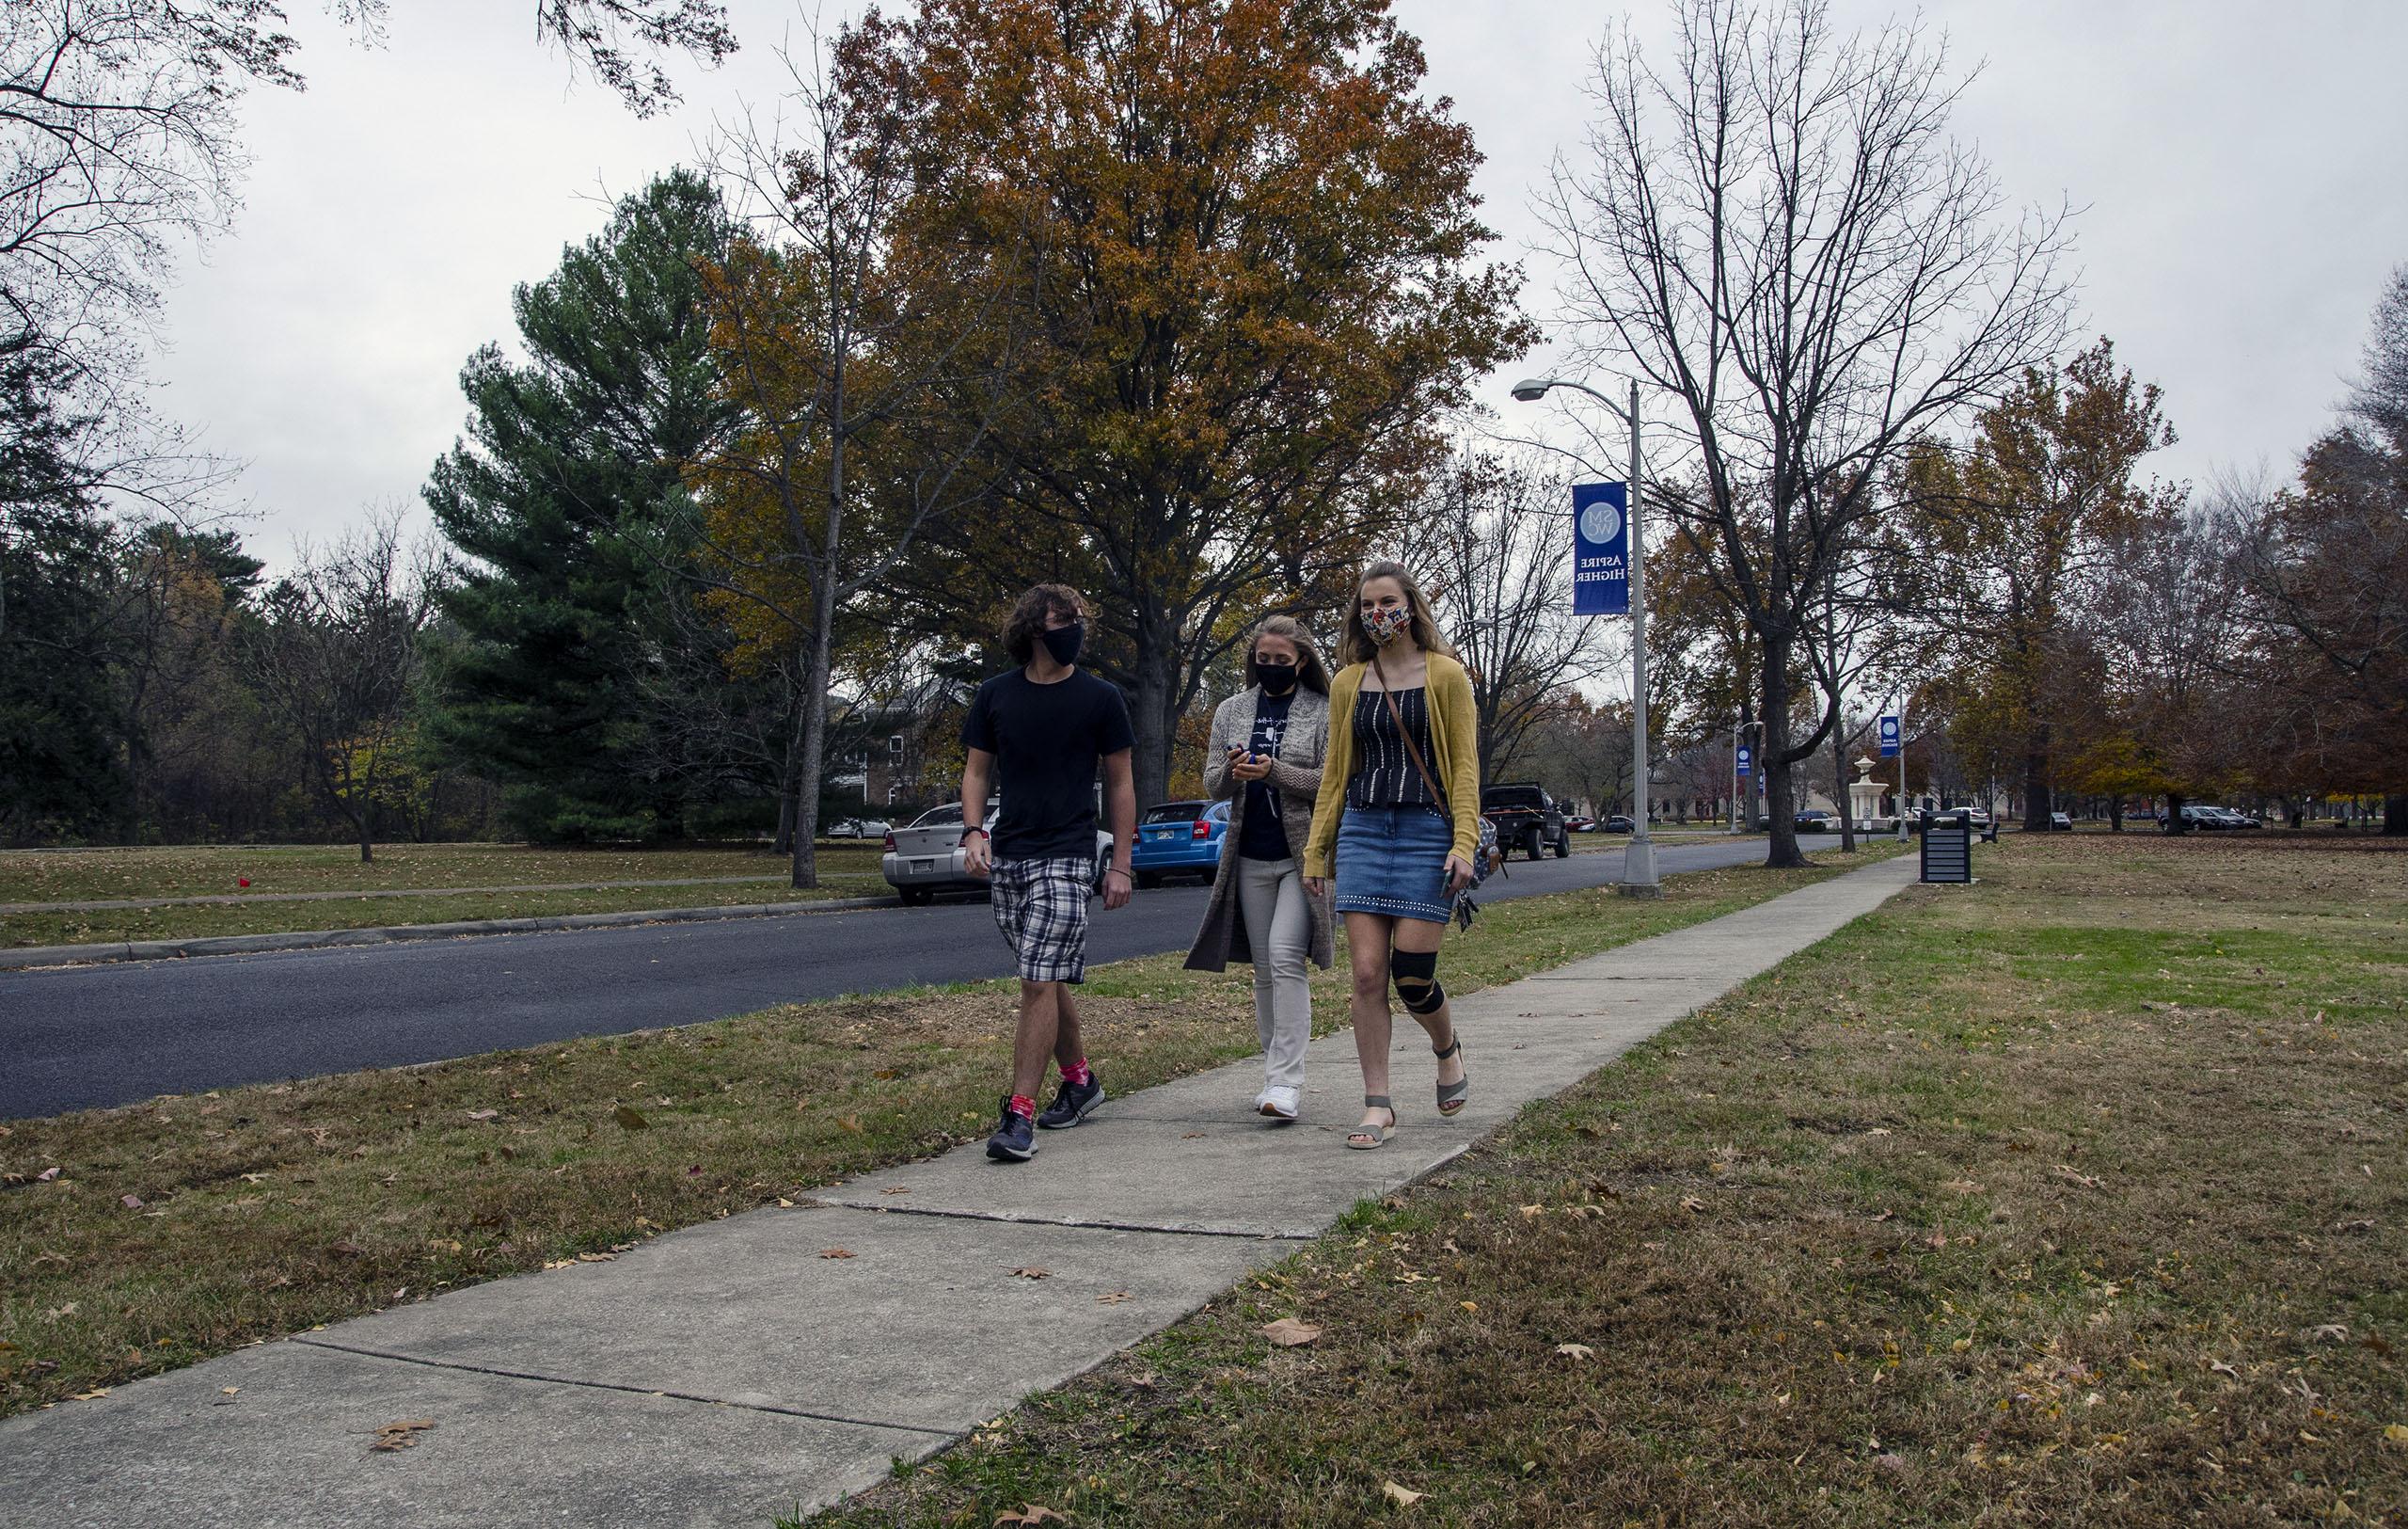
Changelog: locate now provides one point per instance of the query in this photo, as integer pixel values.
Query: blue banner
(1889, 738)
(1746, 760)
(1600, 550)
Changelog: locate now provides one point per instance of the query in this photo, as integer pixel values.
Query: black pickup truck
(1526, 819)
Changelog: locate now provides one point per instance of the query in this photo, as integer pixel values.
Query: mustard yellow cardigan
(1454, 739)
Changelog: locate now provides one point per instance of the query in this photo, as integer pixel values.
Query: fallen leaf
(56, 1312)
(2395, 1433)
(2219, 1367)
(483, 1114)
(402, 1435)
(783, 1204)
(1191, 1136)
(92, 1395)
(46, 1175)
(1692, 1204)
(2329, 1332)
(883, 1073)
(1533, 1210)
(836, 1252)
(1112, 1297)
(1288, 1333)
(1576, 1350)
(345, 1248)
(1032, 1513)
(630, 1117)
(895, 1190)
(2067, 1174)
(1469, 1305)
(1033, 1272)
(849, 1122)
(229, 1390)
(129, 1202)
(1400, 1496)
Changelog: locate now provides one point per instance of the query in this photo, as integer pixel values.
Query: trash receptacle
(1948, 846)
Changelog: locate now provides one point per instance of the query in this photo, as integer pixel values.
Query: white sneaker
(1277, 1102)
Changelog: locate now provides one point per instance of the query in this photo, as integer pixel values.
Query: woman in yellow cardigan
(1397, 824)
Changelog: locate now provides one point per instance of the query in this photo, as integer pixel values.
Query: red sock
(1079, 1072)
(1023, 1106)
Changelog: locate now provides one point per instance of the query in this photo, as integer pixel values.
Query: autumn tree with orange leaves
(1249, 293)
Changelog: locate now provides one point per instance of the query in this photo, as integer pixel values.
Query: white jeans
(1279, 929)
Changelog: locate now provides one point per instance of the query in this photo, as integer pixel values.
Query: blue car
(1180, 838)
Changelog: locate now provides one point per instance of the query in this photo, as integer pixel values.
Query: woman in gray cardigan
(1264, 757)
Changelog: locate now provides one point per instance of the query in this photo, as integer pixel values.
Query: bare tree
(1777, 232)
(334, 658)
(867, 377)
(1493, 535)
(2171, 629)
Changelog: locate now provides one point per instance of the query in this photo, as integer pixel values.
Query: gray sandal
(1452, 1096)
(1366, 1137)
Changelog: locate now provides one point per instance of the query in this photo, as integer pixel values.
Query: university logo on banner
(1600, 550)
(1889, 738)
(1746, 760)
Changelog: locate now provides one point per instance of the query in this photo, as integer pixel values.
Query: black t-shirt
(1384, 773)
(1046, 741)
(1263, 837)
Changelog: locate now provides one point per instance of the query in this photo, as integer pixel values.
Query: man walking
(1038, 733)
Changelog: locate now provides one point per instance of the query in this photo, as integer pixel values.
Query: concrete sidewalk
(732, 1372)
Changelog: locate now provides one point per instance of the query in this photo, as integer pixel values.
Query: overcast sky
(2239, 166)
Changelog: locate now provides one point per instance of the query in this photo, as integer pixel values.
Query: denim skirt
(1392, 861)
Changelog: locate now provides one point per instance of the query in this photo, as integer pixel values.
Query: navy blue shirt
(1047, 741)
(1265, 837)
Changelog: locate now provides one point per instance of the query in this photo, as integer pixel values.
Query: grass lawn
(2077, 1196)
(139, 1239)
(847, 868)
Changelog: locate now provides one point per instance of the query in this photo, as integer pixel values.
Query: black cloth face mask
(1064, 643)
(1274, 678)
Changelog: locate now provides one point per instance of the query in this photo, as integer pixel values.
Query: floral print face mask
(1385, 623)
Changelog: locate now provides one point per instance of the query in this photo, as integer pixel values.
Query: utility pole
(1639, 861)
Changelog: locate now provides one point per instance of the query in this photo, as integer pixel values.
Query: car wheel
(1534, 847)
(1148, 880)
(914, 896)
(1563, 845)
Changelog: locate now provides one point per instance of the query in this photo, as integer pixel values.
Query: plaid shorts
(1041, 907)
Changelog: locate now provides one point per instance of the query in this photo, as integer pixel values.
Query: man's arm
(1121, 807)
(977, 856)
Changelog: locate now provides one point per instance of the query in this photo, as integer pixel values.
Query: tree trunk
(816, 665)
(1153, 712)
(2174, 823)
(784, 843)
(1839, 791)
(2116, 814)
(2036, 797)
(1782, 851)
(2395, 814)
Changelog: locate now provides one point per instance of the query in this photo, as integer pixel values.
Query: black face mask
(1274, 678)
(1064, 643)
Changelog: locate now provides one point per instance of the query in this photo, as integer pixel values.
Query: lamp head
(1530, 390)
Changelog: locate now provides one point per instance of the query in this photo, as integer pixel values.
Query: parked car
(925, 858)
(1526, 819)
(845, 828)
(1581, 825)
(2060, 824)
(1816, 820)
(2198, 817)
(1176, 838)
(1618, 823)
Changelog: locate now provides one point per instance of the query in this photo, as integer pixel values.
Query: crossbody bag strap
(1405, 735)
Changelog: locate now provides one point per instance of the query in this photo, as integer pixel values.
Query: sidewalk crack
(633, 1391)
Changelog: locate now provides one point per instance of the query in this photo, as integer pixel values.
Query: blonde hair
(1356, 646)
(1310, 674)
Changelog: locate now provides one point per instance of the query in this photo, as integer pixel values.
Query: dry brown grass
(2079, 1196)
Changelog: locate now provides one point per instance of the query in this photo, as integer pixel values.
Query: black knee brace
(1416, 974)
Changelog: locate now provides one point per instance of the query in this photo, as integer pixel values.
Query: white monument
(1864, 796)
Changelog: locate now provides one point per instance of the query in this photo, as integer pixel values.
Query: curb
(34, 957)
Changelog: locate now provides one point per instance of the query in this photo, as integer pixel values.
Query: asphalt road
(75, 1038)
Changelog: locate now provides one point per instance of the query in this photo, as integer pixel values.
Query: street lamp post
(1639, 860)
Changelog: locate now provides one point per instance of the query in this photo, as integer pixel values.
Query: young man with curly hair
(1038, 733)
